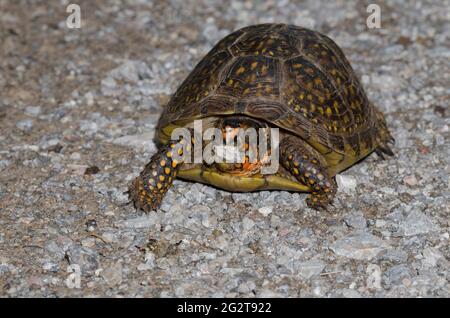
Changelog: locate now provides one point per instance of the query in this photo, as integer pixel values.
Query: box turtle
(269, 75)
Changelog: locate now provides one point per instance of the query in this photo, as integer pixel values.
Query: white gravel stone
(144, 221)
(247, 224)
(431, 256)
(310, 268)
(346, 183)
(265, 210)
(140, 142)
(373, 276)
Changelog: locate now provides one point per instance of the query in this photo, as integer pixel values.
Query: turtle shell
(292, 77)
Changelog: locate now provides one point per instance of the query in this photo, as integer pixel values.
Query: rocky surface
(78, 110)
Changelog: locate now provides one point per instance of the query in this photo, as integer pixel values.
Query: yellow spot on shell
(329, 111)
(254, 65)
(321, 110)
(264, 69)
(169, 154)
(230, 82)
(174, 164)
(240, 70)
(162, 163)
(159, 185)
(167, 170)
(297, 66)
(295, 171)
(161, 178)
(246, 91)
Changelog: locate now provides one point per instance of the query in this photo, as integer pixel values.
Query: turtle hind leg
(149, 188)
(308, 166)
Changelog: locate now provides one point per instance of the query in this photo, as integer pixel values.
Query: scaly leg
(309, 167)
(149, 188)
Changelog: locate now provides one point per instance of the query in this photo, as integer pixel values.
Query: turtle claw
(320, 202)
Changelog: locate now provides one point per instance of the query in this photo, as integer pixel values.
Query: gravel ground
(78, 110)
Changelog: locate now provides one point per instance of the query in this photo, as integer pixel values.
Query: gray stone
(113, 274)
(33, 110)
(350, 293)
(131, 71)
(25, 125)
(356, 221)
(310, 268)
(359, 245)
(431, 256)
(417, 223)
(88, 259)
(394, 256)
(396, 274)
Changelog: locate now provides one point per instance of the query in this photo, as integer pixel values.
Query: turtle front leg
(309, 167)
(149, 188)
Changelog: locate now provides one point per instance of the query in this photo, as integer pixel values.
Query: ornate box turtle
(270, 75)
